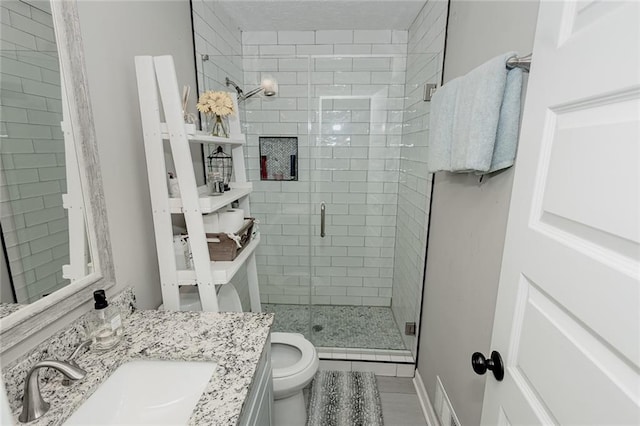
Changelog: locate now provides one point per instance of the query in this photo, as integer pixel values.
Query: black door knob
(480, 364)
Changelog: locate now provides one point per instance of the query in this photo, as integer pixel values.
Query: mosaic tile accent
(368, 327)
(278, 152)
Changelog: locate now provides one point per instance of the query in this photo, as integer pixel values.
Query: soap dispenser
(105, 324)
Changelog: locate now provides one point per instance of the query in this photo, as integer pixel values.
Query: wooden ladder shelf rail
(157, 75)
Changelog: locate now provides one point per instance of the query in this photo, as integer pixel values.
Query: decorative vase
(217, 126)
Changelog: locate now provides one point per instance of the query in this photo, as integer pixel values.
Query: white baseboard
(425, 403)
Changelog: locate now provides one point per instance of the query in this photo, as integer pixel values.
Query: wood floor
(400, 405)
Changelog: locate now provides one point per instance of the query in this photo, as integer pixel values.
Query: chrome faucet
(71, 360)
(33, 406)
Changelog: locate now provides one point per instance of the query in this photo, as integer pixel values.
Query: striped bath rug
(344, 398)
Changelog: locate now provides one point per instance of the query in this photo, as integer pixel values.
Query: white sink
(146, 392)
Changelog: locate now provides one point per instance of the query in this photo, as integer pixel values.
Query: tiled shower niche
(278, 158)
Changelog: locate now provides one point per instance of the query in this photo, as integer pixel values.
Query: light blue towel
(441, 115)
(474, 120)
(504, 151)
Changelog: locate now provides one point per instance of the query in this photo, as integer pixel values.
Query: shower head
(268, 86)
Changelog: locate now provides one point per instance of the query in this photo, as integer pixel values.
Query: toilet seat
(298, 341)
(288, 381)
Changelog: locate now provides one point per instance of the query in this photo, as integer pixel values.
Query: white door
(567, 322)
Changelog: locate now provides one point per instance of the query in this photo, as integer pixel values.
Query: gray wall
(143, 28)
(468, 221)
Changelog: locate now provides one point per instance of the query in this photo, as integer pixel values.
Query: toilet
(294, 359)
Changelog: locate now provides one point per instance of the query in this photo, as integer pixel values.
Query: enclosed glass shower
(340, 191)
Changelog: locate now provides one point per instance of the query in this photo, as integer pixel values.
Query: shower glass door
(278, 165)
(356, 116)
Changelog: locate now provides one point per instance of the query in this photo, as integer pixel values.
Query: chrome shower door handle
(323, 208)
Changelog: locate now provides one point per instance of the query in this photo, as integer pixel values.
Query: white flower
(218, 103)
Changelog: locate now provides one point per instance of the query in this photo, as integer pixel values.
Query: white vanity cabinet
(258, 408)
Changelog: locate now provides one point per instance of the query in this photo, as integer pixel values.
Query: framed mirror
(89, 249)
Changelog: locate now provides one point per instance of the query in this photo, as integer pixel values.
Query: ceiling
(277, 15)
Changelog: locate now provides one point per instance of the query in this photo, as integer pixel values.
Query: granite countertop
(7, 309)
(235, 341)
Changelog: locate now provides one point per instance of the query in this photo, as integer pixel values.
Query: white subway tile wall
(424, 65)
(215, 35)
(347, 113)
(33, 175)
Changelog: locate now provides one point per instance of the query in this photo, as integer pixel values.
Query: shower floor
(366, 327)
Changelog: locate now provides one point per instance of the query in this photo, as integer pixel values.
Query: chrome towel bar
(523, 62)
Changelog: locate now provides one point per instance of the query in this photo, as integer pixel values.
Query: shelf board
(209, 203)
(205, 138)
(202, 137)
(221, 272)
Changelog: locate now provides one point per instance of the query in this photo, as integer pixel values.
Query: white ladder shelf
(157, 75)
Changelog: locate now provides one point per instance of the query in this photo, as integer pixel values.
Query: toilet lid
(228, 300)
(298, 341)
